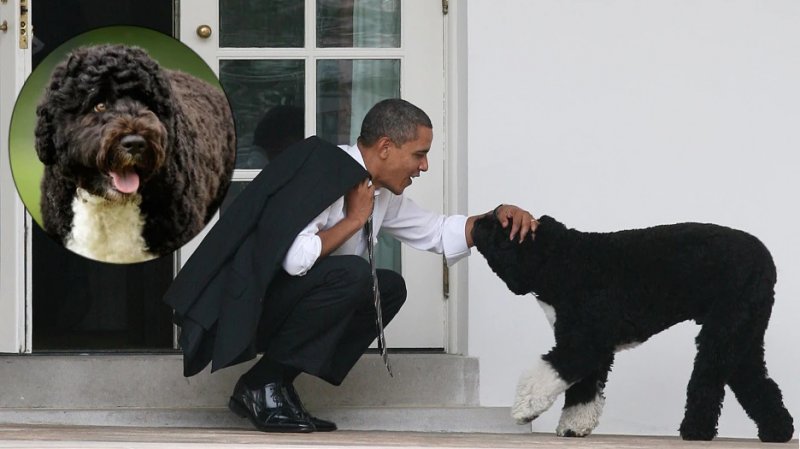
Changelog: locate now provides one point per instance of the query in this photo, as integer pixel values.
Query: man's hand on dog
(521, 220)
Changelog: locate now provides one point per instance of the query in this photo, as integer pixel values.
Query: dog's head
(104, 119)
(517, 264)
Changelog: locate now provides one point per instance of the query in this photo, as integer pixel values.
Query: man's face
(406, 161)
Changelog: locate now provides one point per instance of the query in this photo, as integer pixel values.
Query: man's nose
(424, 165)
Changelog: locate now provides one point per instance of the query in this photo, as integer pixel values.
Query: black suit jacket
(218, 294)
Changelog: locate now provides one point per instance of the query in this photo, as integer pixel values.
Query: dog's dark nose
(133, 144)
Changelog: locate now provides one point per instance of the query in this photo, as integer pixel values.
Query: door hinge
(445, 6)
(445, 278)
(23, 24)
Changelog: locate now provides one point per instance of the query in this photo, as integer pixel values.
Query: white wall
(615, 114)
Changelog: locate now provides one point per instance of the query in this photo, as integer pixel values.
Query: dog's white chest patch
(107, 231)
(549, 312)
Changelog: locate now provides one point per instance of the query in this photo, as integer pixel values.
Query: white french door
(318, 65)
(14, 68)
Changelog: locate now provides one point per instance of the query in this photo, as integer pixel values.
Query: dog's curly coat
(118, 133)
(603, 292)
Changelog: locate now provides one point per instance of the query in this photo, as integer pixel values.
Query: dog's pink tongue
(126, 181)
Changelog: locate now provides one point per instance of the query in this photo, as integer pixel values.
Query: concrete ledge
(419, 419)
(97, 382)
(426, 419)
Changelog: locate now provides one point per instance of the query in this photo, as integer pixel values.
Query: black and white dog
(137, 157)
(603, 292)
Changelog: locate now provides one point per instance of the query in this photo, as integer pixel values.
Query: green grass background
(25, 165)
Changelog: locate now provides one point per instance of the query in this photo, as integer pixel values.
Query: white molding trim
(14, 238)
(456, 201)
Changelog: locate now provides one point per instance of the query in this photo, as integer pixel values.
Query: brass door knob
(204, 31)
(4, 26)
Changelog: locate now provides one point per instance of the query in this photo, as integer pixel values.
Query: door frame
(15, 316)
(15, 267)
(455, 170)
(419, 77)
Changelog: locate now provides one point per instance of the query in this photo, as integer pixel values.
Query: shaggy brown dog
(137, 157)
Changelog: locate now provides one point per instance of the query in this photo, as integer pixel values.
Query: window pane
(261, 23)
(267, 98)
(346, 89)
(358, 23)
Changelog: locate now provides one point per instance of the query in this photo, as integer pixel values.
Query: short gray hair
(394, 118)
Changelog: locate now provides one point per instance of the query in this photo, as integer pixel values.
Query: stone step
(155, 381)
(416, 419)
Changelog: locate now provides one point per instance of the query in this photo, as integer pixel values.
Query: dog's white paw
(580, 420)
(523, 421)
(521, 411)
(537, 389)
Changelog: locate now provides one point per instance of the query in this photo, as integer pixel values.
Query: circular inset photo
(122, 144)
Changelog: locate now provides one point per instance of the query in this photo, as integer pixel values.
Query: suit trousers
(322, 322)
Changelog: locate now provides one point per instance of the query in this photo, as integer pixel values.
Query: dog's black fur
(102, 98)
(613, 289)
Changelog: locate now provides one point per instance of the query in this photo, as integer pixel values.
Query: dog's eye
(100, 107)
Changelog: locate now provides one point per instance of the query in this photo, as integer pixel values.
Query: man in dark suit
(318, 313)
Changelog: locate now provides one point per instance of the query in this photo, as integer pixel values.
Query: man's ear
(384, 144)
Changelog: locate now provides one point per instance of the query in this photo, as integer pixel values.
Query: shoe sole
(241, 411)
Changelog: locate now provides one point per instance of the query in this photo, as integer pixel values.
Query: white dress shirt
(397, 215)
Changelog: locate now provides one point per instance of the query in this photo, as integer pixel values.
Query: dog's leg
(713, 365)
(575, 356)
(583, 403)
(760, 396)
(537, 389)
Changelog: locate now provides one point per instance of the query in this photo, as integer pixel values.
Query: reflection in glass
(347, 89)
(261, 23)
(267, 98)
(358, 23)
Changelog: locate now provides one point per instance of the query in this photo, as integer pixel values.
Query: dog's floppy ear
(45, 140)
(45, 148)
(52, 102)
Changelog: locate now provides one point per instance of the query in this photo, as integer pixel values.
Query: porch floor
(30, 436)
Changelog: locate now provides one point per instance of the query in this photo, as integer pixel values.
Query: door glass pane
(261, 23)
(267, 98)
(358, 23)
(346, 90)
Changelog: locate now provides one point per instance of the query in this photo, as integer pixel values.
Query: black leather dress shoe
(270, 408)
(320, 425)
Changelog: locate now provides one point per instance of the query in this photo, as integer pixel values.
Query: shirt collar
(355, 153)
